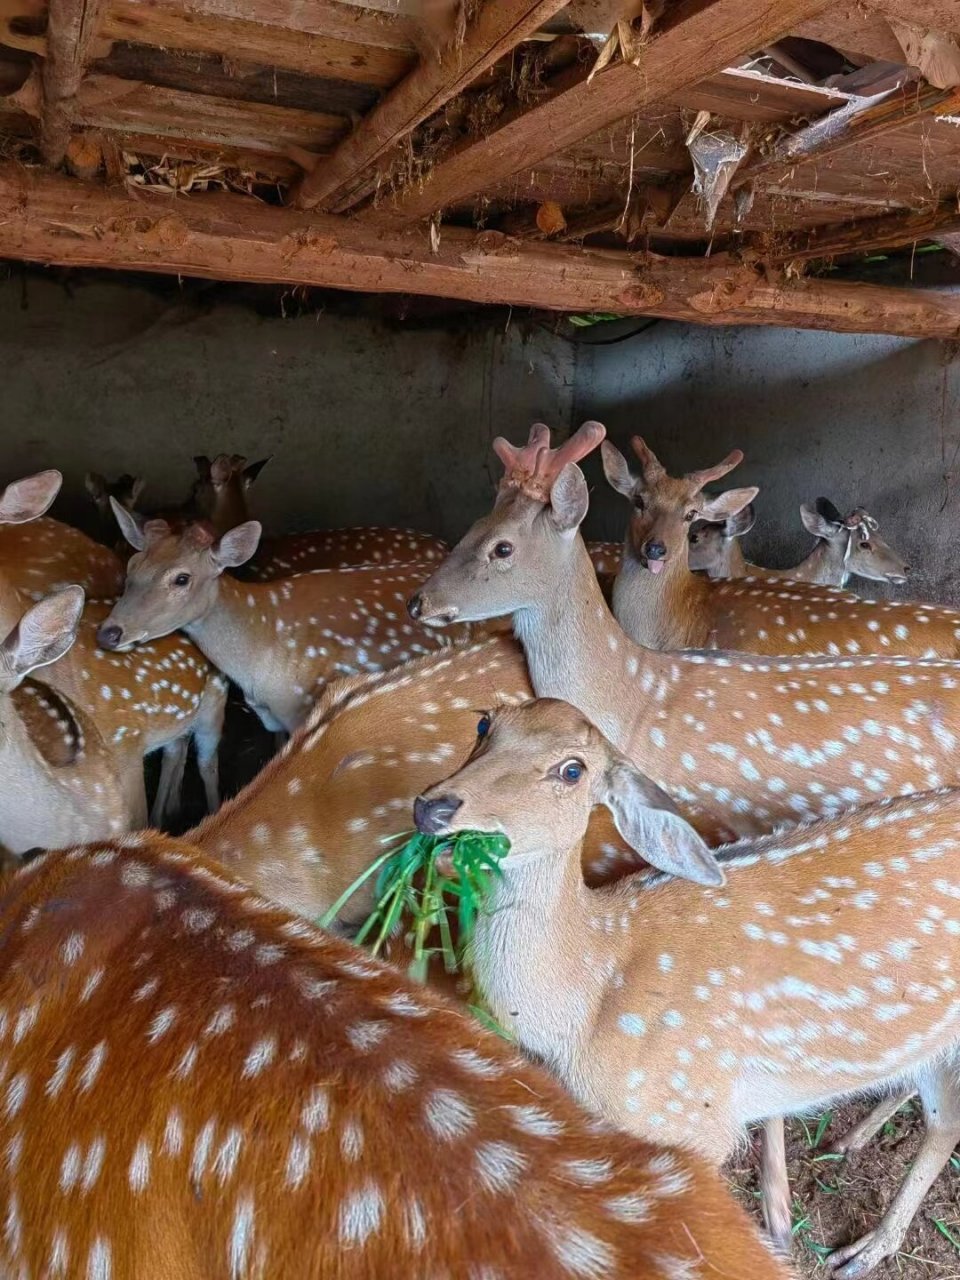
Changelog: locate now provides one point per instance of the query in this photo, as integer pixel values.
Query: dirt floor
(837, 1200)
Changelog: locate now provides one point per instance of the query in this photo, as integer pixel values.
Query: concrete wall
(367, 423)
(377, 423)
(868, 421)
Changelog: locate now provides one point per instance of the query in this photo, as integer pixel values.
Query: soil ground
(837, 1200)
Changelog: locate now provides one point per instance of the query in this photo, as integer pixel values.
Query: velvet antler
(533, 467)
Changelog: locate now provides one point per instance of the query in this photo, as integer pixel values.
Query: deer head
(502, 564)
(220, 490)
(172, 580)
(865, 553)
(126, 489)
(536, 773)
(713, 545)
(665, 506)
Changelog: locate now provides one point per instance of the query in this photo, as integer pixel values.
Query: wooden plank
(853, 30)
(168, 26)
(71, 29)
(869, 235)
(860, 121)
(698, 39)
(331, 18)
(127, 106)
(499, 26)
(53, 219)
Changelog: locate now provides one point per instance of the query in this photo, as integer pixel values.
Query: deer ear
(251, 472)
(648, 820)
(45, 632)
(202, 463)
(137, 487)
(131, 525)
(237, 545)
(26, 499)
(616, 470)
(569, 499)
(728, 504)
(736, 526)
(95, 485)
(817, 524)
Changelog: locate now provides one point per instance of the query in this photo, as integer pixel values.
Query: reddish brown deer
(39, 555)
(280, 642)
(813, 965)
(742, 743)
(661, 603)
(155, 700)
(199, 1084)
(59, 780)
(847, 546)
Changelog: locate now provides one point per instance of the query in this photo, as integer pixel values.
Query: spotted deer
(196, 1076)
(742, 743)
(847, 546)
(814, 965)
(659, 602)
(39, 555)
(280, 641)
(59, 782)
(157, 699)
(318, 815)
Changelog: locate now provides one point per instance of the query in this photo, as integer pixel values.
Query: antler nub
(652, 467)
(701, 478)
(534, 467)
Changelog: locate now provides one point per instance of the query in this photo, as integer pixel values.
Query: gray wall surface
(376, 423)
(865, 421)
(367, 423)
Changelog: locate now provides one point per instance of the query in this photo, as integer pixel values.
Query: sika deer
(59, 783)
(156, 700)
(847, 546)
(822, 968)
(744, 744)
(316, 817)
(673, 608)
(279, 642)
(199, 1084)
(42, 555)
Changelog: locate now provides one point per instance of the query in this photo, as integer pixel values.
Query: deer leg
(774, 1184)
(857, 1138)
(171, 780)
(941, 1109)
(207, 732)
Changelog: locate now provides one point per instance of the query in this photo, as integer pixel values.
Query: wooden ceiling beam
(331, 18)
(868, 235)
(500, 26)
(698, 38)
(72, 27)
(860, 121)
(53, 219)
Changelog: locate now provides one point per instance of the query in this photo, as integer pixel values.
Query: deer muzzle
(432, 817)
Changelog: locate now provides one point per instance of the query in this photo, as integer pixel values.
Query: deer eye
(483, 726)
(502, 550)
(690, 517)
(182, 580)
(571, 771)
(637, 502)
(865, 543)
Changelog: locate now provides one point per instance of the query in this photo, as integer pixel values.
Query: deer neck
(826, 565)
(667, 610)
(238, 635)
(734, 563)
(576, 650)
(532, 956)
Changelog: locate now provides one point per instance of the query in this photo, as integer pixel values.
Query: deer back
(286, 554)
(193, 1074)
(46, 555)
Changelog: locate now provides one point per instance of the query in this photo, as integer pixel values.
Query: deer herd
(731, 895)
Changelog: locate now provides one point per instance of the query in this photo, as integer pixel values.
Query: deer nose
(415, 606)
(432, 817)
(108, 637)
(654, 550)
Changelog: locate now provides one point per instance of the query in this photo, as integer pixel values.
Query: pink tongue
(655, 566)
